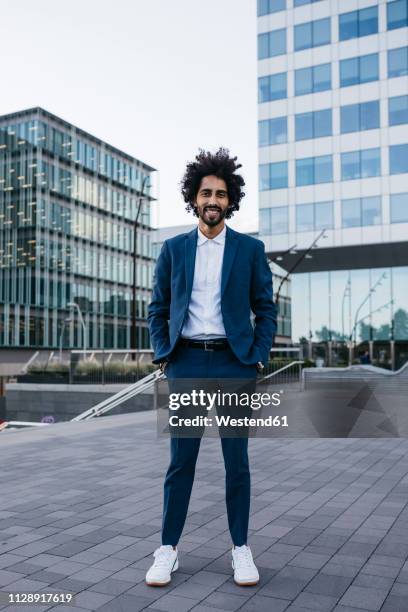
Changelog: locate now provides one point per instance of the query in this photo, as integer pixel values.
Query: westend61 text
(209, 400)
(228, 421)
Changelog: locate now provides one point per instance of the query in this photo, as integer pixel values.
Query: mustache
(212, 207)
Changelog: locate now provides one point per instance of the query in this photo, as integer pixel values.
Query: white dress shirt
(204, 319)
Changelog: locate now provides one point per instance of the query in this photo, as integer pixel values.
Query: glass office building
(68, 205)
(333, 166)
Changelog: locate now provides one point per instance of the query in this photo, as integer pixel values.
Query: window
(314, 216)
(279, 220)
(301, 2)
(361, 211)
(265, 7)
(313, 125)
(397, 14)
(312, 34)
(399, 207)
(272, 43)
(359, 70)
(397, 62)
(273, 220)
(272, 87)
(313, 170)
(360, 164)
(313, 79)
(399, 159)
(273, 131)
(358, 23)
(360, 117)
(264, 221)
(273, 176)
(398, 110)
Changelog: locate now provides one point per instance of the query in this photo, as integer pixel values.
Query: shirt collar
(219, 239)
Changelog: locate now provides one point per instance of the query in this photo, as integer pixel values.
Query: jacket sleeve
(159, 307)
(262, 304)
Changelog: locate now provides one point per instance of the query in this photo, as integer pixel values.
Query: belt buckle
(205, 346)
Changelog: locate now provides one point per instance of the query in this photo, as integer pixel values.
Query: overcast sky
(156, 78)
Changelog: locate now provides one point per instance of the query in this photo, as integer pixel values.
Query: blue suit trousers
(187, 362)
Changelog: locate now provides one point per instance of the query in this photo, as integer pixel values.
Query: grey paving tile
(257, 603)
(393, 603)
(315, 602)
(366, 598)
(326, 584)
(91, 600)
(225, 601)
(111, 586)
(125, 603)
(173, 603)
(328, 520)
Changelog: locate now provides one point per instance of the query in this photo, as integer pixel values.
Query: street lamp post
(298, 262)
(81, 318)
(68, 320)
(356, 321)
(346, 293)
(133, 339)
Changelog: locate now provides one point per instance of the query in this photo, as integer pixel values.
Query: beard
(211, 219)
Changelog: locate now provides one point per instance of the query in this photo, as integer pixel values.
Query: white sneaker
(165, 562)
(245, 572)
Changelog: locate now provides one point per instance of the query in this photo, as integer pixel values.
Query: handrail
(121, 396)
(6, 424)
(32, 358)
(288, 365)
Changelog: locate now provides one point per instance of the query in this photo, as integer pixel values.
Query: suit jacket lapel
(190, 255)
(230, 249)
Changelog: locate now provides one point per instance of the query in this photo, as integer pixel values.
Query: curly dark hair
(218, 164)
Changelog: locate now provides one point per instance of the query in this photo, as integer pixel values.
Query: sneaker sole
(253, 583)
(162, 584)
(158, 584)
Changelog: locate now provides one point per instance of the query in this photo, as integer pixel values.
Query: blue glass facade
(314, 216)
(358, 23)
(398, 110)
(360, 164)
(399, 208)
(272, 43)
(265, 7)
(397, 14)
(68, 204)
(397, 62)
(360, 117)
(312, 79)
(358, 70)
(272, 87)
(273, 131)
(316, 124)
(312, 34)
(338, 161)
(314, 170)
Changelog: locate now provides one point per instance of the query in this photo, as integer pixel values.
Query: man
(206, 284)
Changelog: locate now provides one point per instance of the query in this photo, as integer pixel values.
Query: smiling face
(212, 200)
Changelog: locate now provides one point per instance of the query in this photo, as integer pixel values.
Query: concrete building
(68, 204)
(333, 155)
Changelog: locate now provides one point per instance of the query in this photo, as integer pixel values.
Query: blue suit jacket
(246, 284)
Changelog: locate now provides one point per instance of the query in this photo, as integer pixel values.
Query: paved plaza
(81, 504)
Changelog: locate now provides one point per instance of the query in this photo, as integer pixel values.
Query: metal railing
(113, 366)
(289, 373)
(281, 373)
(122, 396)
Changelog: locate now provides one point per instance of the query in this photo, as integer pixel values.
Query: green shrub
(52, 368)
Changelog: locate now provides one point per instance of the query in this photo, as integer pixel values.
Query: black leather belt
(208, 345)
